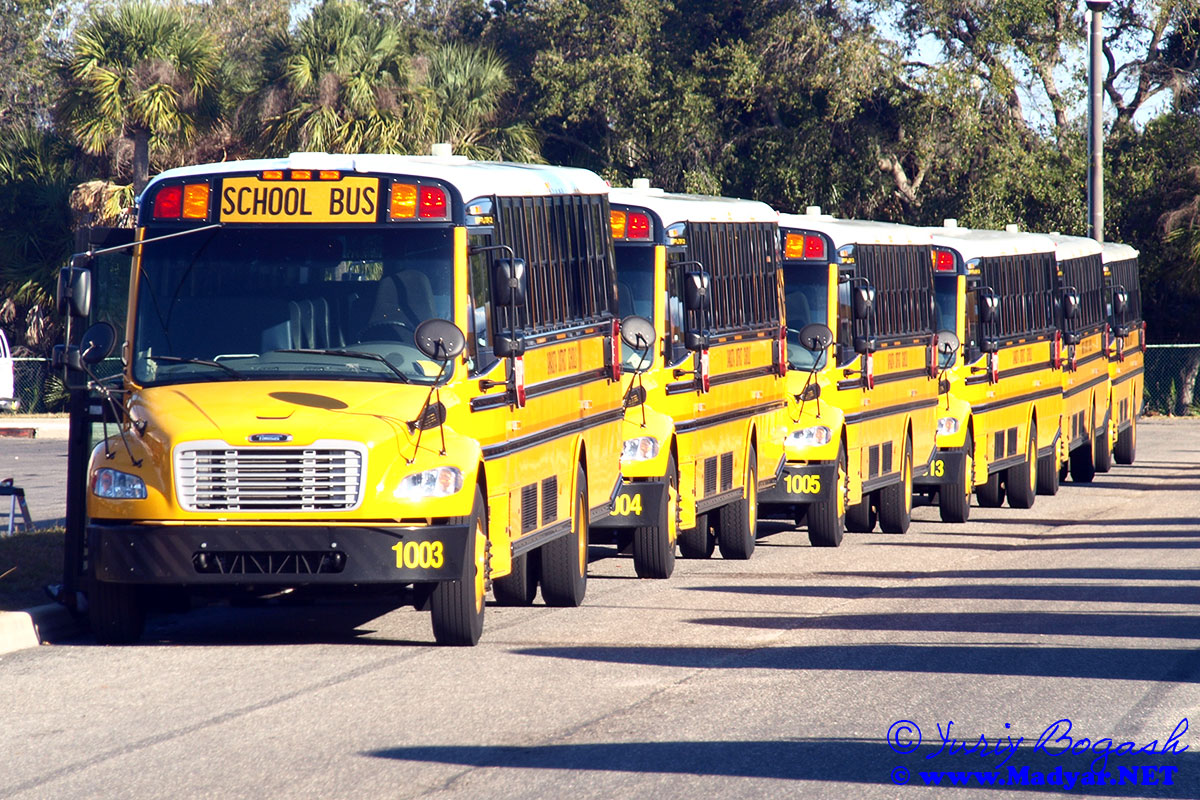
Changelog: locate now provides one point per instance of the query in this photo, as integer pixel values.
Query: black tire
(1021, 480)
(737, 522)
(955, 506)
(456, 607)
(1083, 459)
(697, 542)
(991, 494)
(1104, 455)
(1049, 475)
(564, 560)
(117, 613)
(861, 517)
(654, 545)
(1126, 450)
(895, 499)
(827, 518)
(519, 587)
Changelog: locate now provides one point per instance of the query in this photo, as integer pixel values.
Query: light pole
(1096, 121)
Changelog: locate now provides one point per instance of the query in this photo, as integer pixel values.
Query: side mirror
(989, 309)
(74, 295)
(1120, 302)
(510, 284)
(695, 341)
(1070, 303)
(695, 290)
(97, 343)
(863, 298)
(509, 347)
(439, 339)
(815, 337)
(864, 345)
(948, 342)
(637, 332)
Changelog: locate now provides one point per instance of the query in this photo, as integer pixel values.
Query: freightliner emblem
(269, 437)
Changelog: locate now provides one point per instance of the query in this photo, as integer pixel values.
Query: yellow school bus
(1127, 347)
(862, 372)
(704, 428)
(1082, 354)
(356, 371)
(998, 419)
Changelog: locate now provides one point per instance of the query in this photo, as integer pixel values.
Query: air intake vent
(325, 476)
(710, 476)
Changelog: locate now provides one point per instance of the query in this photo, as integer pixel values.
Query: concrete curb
(33, 626)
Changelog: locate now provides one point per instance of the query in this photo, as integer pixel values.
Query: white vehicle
(8, 394)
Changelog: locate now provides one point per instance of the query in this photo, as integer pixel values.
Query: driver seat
(405, 298)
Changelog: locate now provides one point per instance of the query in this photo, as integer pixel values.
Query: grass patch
(29, 561)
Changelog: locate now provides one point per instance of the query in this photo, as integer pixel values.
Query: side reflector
(404, 201)
(433, 203)
(195, 201)
(168, 203)
(639, 226)
(616, 221)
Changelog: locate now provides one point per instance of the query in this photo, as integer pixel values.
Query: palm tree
(139, 73)
(341, 84)
(468, 85)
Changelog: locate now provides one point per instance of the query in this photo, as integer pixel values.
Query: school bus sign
(251, 199)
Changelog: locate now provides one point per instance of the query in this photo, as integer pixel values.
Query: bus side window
(479, 310)
(845, 324)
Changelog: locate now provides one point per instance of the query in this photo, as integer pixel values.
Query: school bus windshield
(806, 296)
(230, 304)
(945, 301)
(635, 289)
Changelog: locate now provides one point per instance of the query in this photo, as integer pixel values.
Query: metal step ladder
(16, 497)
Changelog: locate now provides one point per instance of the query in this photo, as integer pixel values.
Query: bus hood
(298, 413)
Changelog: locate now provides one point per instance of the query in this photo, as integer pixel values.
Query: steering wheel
(392, 330)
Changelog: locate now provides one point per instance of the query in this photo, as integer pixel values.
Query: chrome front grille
(323, 476)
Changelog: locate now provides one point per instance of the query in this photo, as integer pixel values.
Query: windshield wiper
(205, 362)
(352, 354)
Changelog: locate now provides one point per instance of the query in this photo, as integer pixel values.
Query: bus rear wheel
(895, 500)
(654, 545)
(564, 560)
(1021, 480)
(1126, 449)
(737, 522)
(116, 612)
(456, 607)
(827, 518)
(697, 542)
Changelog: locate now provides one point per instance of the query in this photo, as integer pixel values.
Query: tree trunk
(1187, 382)
(141, 160)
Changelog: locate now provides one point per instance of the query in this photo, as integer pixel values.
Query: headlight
(815, 436)
(114, 485)
(439, 482)
(643, 448)
(948, 426)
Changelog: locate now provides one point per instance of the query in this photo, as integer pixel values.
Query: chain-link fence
(1172, 372)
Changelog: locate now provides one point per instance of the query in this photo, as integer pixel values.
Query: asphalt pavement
(802, 672)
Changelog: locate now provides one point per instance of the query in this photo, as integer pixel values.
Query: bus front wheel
(456, 607)
(1021, 480)
(1103, 455)
(827, 518)
(738, 521)
(1126, 448)
(654, 545)
(564, 560)
(895, 500)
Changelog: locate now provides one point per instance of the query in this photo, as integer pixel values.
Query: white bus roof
(979, 243)
(1067, 247)
(1116, 251)
(856, 231)
(672, 208)
(471, 178)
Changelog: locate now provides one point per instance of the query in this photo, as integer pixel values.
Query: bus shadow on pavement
(1178, 665)
(1069, 593)
(853, 761)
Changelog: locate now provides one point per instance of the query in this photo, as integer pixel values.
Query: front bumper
(277, 554)
(946, 468)
(636, 504)
(803, 483)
